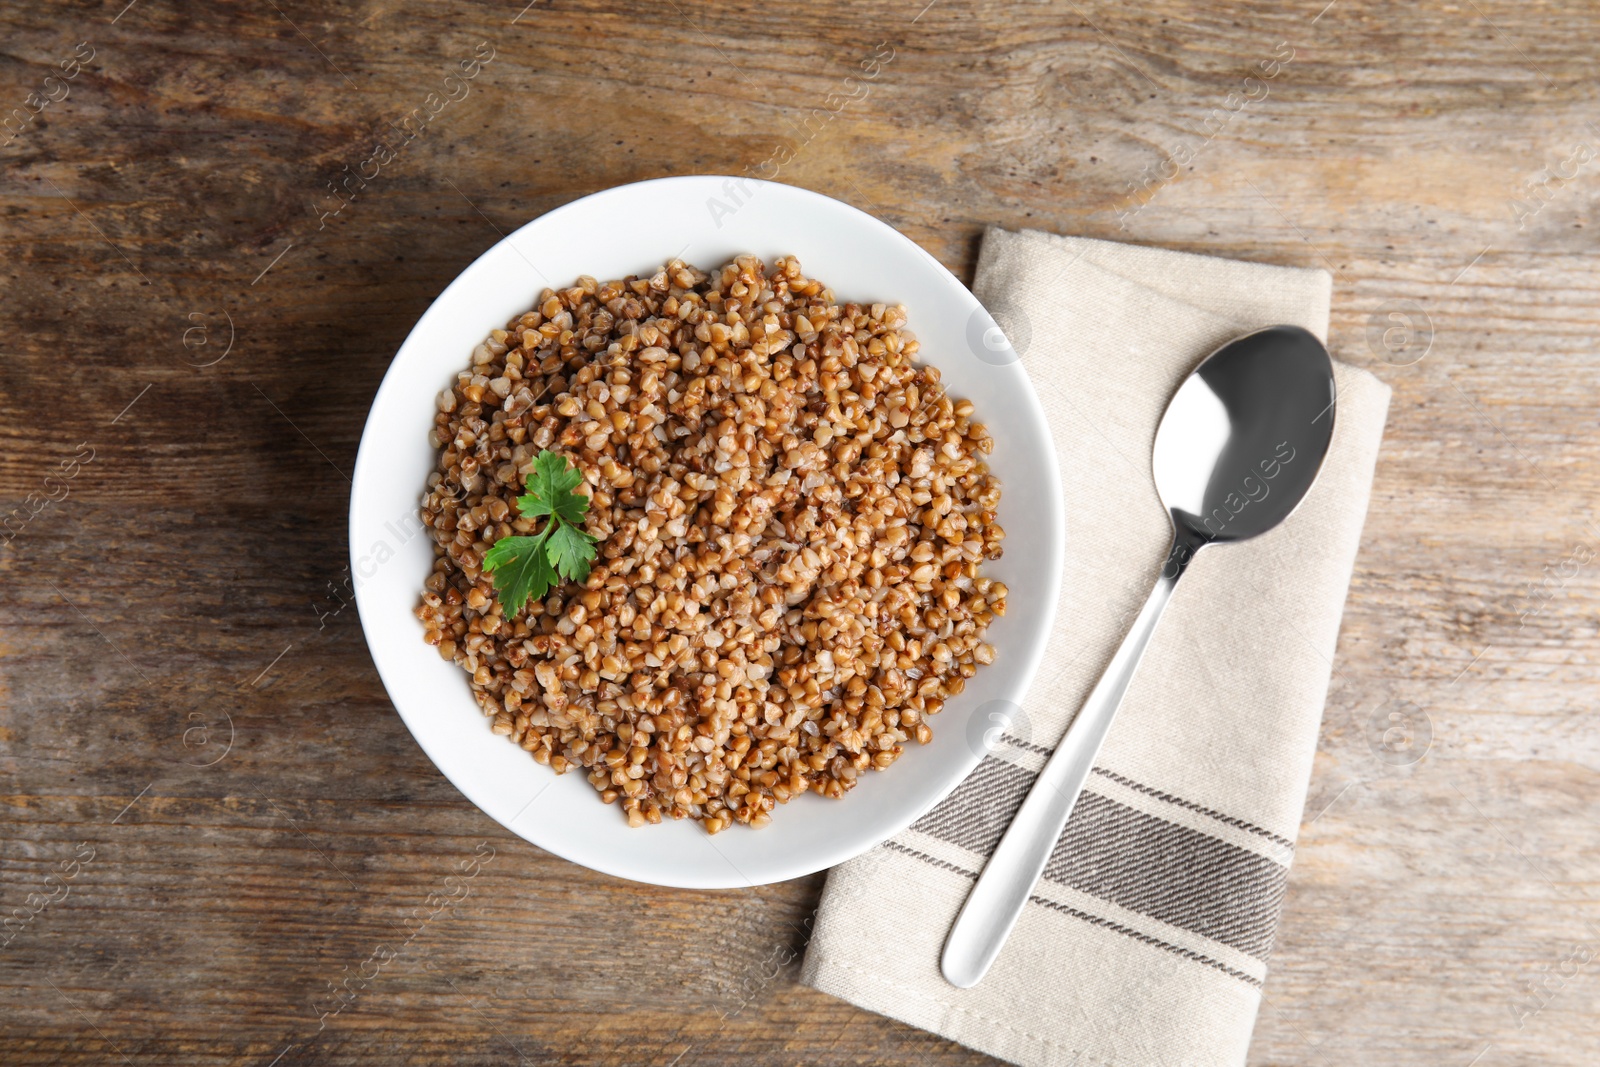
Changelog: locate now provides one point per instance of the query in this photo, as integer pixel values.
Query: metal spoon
(1240, 443)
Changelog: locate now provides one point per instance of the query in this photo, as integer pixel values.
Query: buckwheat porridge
(787, 518)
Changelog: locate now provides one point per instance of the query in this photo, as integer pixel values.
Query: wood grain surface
(211, 814)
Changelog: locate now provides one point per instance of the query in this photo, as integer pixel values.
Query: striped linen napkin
(1146, 941)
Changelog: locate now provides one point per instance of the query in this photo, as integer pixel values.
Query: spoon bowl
(1243, 438)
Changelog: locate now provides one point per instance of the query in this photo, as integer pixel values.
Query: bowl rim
(1024, 670)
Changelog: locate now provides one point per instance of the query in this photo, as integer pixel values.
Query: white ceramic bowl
(631, 230)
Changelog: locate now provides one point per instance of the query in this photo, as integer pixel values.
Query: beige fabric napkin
(1147, 939)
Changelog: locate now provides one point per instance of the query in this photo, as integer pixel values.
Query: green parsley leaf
(527, 567)
(521, 570)
(550, 490)
(570, 550)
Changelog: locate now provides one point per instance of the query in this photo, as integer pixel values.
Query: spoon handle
(1008, 878)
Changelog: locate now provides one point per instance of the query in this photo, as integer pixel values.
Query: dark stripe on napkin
(1192, 806)
(1277, 839)
(1145, 864)
(1093, 920)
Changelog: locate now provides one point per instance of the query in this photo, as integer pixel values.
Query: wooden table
(213, 816)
